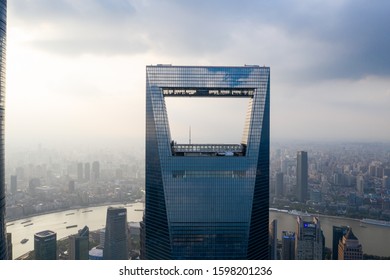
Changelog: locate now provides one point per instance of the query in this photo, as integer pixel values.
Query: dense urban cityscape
(100, 161)
(44, 180)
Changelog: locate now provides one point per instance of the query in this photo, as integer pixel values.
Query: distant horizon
(76, 70)
(138, 151)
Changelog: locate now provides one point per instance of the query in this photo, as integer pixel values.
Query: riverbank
(314, 215)
(59, 220)
(373, 238)
(69, 209)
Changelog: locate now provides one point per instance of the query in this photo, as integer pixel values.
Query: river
(374, 239)
(93, 217)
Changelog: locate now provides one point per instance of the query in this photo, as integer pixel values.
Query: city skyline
(85, 89)
(332, 170)
(330, 68)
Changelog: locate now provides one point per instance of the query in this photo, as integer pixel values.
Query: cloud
(69, 27)
(329, 59)
(309, 40)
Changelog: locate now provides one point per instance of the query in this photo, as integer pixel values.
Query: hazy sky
(76, 69)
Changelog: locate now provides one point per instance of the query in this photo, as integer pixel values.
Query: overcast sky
(76, 69)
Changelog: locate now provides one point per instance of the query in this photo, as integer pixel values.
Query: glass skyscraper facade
(45, 245)
(115, 240)
(3, 29)
(302, 176)
(79, 245)
(207, 201)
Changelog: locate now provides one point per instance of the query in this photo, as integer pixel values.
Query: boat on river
(72, 226)
(24, 240)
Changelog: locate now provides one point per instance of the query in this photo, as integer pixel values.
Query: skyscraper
(273, 240)
(338, 233)
(14, 184)
(309, 242)
(302, 176)
(288, 245)
(115, 240)
(79, 245)
(80, 172)
(360, 184)
(207, 201)
(349, 247)
(95, 171)
(3, 29)
(45, 245)
(87, 171)
(9, 245)
(279, 185)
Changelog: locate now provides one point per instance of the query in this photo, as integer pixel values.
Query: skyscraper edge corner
(3, 32)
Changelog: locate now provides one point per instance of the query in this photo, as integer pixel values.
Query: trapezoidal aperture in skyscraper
(206, 201)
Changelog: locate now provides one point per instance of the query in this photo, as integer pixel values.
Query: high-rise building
(349, 247)
(379, 171)
(279, 185)
(3, 29)
(79, 245)
(273, 240)
(14, 184)
(207, 201)
(95, 171)
(45, 245)
(338, 233)
(87, 171)
(116, 237)
(80, 172)
(102, 237)
(9, 245)
(309, 242)
(360, 184)
(302, 176)
(288, 245)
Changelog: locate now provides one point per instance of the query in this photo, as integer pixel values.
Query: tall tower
(207, 201)
(302, 176)
(338, 233)
(95, 171)
(79, 245)
(115, 240)
(14, 184)
(3, 29)
(273, 240)
(279, 186)
(288, 245)
(309, 243)
(87, 171)
(45, 245)
(80, 172)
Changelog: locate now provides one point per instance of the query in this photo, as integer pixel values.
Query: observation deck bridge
(208, 149)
